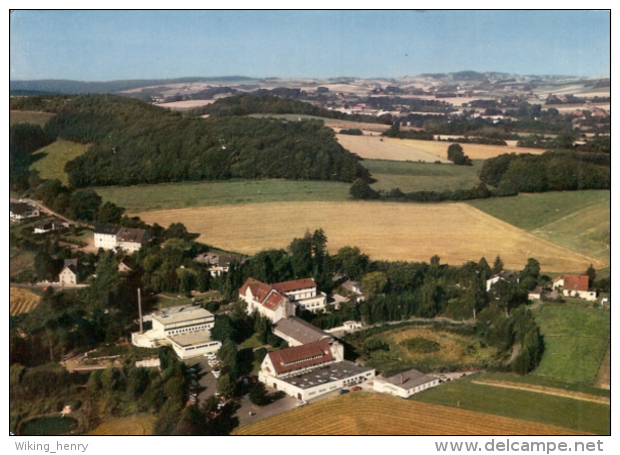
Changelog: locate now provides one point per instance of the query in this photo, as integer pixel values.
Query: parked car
(301, 403)
(356, 388)
(343, 391)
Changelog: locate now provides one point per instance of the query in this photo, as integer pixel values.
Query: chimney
(140, 311)
(402, 379)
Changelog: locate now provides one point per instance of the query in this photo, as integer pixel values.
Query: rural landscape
(308, 255)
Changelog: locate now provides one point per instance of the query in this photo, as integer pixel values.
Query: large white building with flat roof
(186, 328)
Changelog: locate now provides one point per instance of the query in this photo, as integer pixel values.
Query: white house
(311, 370)
(405, 384)
(105, 236)
(68, 276)
(20, 211)
(266, 300)
(502, 276)
(44, 227)
(575, 286)
(111, 237)
(186, 328)
(131, 240)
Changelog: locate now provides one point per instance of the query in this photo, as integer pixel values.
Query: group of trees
(551, 171)
(457, 156)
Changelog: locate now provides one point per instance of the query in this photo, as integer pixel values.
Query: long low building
(405, 384)
(296, 332)
(313, 369)
(186, 328)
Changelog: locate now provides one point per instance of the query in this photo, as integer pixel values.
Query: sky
(118, 45)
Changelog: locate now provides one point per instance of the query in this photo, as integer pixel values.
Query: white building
(311, 370)
(20, 211)
(575, 286)
(186, 328)
(405, 384)
(303, 293)
(68, 276)
(266, 300)
(110, 237)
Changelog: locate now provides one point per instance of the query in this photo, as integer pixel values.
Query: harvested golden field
(369, 414)
(22, 301)
(372, 147)
(183, 105)
(456, 232)
(127, 426)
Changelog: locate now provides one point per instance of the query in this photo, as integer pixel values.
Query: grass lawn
(166, 300)
(577, 220)
(51, 164)
(32, 117)
(413, 176)
(575, 341)
(196, 194)
(535, 210)
(519, 404)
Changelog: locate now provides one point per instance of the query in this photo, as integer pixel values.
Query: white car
(301, 403)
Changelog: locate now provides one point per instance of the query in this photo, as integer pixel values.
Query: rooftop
(107, 229)
(178, 314)
(132, 235)
(300, 330)
(576, 282)
(409, 379)
(307, 355)
(192, 338)
(295, 285)
(326, 374)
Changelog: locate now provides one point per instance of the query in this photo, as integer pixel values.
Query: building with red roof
(313, 369)
(263, 298)
(575, 286)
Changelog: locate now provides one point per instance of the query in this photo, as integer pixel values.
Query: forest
(133, 142)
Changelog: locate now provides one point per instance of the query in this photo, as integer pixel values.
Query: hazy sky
(114, 45)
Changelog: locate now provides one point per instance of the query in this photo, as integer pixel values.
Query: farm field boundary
(365, 414)
(545, 390)
(456, 232)
(22, 300)
(386, 148)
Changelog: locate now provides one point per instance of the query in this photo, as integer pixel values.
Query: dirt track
(546, 390)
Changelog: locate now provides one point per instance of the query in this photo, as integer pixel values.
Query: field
(545, 409)
(372, 147)
(577, 220)
(413, 176)
(396, 231)
(22, 301)
(51, 165)
(576, 339)
(423, 347)
(20, 261)
(365, 414)
(33, 117)
(196, 194)
(603, 376)
(127, 426)
(336, 124)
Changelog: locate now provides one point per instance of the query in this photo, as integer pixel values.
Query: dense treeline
(134, 142)
(269, 104)
(24, 139)
(551, 171)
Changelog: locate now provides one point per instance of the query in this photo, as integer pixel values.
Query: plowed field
(22, 301)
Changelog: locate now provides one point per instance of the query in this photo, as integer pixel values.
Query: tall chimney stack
(140, 311)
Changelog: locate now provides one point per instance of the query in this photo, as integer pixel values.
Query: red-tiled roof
(273, 301)
(263, 293)
(299, 357)
(576, 282)
(295, 285)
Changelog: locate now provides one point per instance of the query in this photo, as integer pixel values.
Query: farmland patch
(365, 414)
(392, 231)
(22, 301)
(32, 117)
(53, 158)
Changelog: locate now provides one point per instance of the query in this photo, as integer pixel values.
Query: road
(49, 211)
